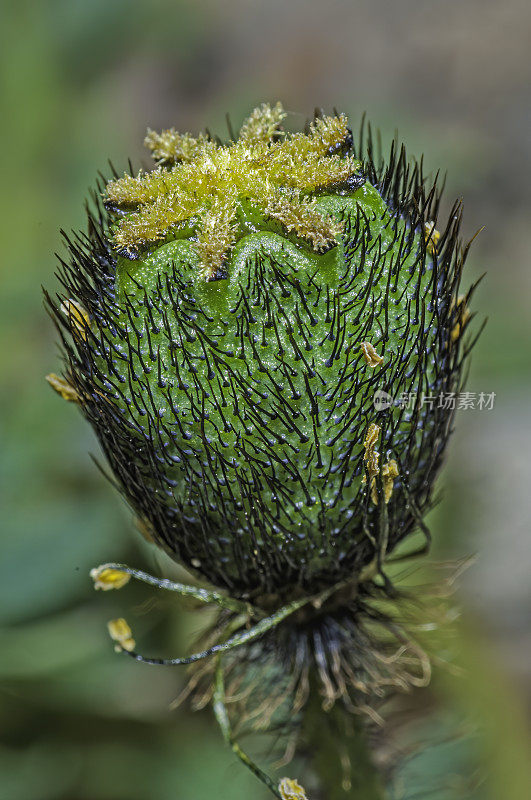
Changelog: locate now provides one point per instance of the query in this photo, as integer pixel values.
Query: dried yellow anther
(63, 388)
(463, 315)
(106, 578)
(371, 356)
(389, 473)
(371, 436)
(121, 633)
(290, 789)
(371, 455)
(372, 460)
(432, 236)
(77, 316)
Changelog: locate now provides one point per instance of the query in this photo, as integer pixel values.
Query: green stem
(339, 753)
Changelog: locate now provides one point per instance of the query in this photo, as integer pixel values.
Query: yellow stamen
(389, 473)
(371, 455)
(372, 460)
(290, 789)
(121, 633)
(106, 578)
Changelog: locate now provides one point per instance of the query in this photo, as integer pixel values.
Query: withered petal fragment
(371, 437)
(389, 473)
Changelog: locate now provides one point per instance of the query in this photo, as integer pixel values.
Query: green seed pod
(253, 330)
(230, 368)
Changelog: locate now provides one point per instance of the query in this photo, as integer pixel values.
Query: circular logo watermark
(382, 400)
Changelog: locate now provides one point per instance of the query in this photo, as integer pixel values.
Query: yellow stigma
(263, 123)
(199, 186)
(121, 633)
(291, 790)
(106, 578)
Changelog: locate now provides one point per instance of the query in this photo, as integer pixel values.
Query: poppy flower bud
(240, 306)
(252, 329)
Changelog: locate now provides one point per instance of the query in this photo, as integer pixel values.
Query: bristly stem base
(339, 753)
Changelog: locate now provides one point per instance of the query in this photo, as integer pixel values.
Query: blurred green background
(81, 80)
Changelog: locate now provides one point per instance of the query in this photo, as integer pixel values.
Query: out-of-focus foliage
(80, 82)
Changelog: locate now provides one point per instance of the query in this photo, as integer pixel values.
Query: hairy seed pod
(235, 412)
(264, 335)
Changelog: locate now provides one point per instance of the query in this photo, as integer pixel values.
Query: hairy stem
(339, 753)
